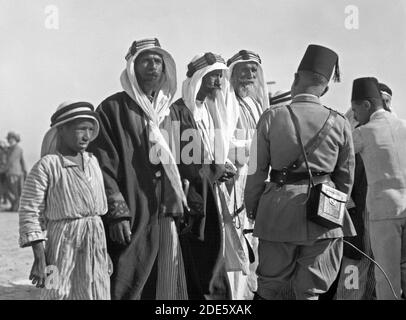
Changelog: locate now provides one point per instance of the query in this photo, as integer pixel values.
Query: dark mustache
(152, 73)
(252, 80)
(217, 86)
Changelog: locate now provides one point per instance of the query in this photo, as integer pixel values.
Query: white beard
(247, 90)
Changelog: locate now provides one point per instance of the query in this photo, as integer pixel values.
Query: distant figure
(386, 94)
(3, 166)
(15, 169)
(64, 194)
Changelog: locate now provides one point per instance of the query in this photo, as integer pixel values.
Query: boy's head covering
(66, 112)
(365, 88)
(321, 60)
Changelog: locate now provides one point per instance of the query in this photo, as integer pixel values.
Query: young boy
(64, 195)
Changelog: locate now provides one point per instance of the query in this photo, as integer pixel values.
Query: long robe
(67, 202)
(203, 241)
(137, 190)
(244, 282)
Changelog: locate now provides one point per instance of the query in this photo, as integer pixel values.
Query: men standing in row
(380, 141)
(142, 181)
(294, 251)
(248, 88)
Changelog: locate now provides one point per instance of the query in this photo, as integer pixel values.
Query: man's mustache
(247, 81)
(153, 73)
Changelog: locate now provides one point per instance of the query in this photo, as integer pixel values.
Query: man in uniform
(380, 140)
(295, 254)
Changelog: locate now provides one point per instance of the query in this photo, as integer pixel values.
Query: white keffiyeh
(223, 110)
(156, 111)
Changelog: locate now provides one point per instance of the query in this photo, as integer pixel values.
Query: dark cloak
(132, 185)
(206, 275)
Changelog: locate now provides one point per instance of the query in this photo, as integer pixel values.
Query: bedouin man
(211, 247)
(249, 89)
(143, 186)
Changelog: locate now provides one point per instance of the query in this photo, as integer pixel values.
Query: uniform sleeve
(32, 205)
(357, 139)
(105, 147)
(343, 175)
(258, 165)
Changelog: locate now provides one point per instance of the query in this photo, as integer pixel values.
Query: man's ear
(367, 105)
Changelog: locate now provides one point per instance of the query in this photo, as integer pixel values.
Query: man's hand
(37, 274)
(229, 171)
(120, 232)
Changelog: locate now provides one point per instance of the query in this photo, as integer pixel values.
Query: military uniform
(294, 251)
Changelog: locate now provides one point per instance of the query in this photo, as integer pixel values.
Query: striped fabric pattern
(66, 202)
(243, 55)
(67, 111)
(141, 45)
(171, 283)
(207, 60)
(280, 98)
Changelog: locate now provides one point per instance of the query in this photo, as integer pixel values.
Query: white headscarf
(156, 110)
(261, 89)
(223, 111)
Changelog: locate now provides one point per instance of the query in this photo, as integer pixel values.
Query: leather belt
(283, 176)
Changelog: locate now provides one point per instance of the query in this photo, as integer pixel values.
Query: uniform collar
(306, 97)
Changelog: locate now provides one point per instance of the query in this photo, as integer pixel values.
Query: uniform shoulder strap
(313, 143)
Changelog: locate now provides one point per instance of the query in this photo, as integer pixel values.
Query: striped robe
(67, 202)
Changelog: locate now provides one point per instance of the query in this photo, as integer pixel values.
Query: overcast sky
(41, 67)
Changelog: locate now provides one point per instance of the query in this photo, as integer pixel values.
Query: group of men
(187, 181)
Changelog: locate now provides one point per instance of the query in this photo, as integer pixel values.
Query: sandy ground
(15, 263)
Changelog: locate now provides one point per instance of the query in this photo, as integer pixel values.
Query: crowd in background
(12, 171)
